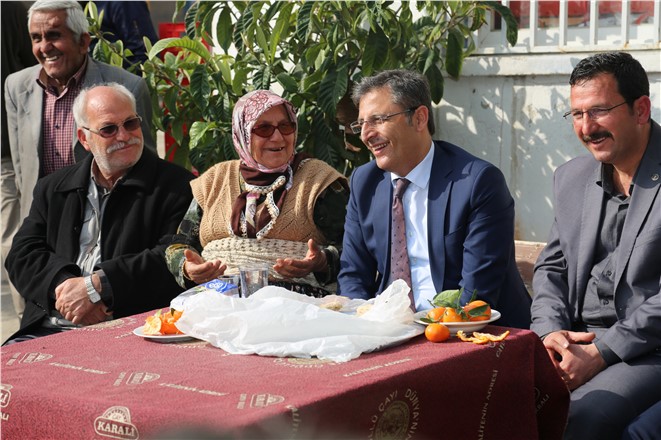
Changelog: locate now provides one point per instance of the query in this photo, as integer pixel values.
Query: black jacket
(142, 212)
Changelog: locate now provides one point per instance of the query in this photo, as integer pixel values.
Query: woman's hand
(200, 271)
(314, 261)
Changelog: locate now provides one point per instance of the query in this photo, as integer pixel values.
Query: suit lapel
(592, 202)
(646, 190)
(383, 209)
(440, 185)
(34, 98)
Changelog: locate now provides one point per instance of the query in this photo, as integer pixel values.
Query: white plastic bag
(277, 322)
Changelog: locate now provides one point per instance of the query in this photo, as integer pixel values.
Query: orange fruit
(436, 314)
(152, 325)
(478, 310)
(168, 320)
(452, 315)
(437, 333)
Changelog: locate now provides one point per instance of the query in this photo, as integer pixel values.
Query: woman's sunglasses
(266, 131)
(112, 129)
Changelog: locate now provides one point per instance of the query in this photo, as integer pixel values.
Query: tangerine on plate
(152, 325)
(452, 315)
(437, 333)
(478, 310)
(436, 314)
(168, 320)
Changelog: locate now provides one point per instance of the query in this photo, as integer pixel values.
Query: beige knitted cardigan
(215, 192)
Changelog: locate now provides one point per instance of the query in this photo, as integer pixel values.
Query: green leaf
(436, 83)
(262, 78)
(224, 28)
(241, 28)
(191, 20)
(287, 82)
(197, 132)
(170, 100)
(448, 298)
(332, 89)
(180, 43)
(477, 311)
(303, 21)
(200, 87)
(261, 42)
(454, 55)
(281, 26)
(512, 33)
(239, 81)
(375, 48)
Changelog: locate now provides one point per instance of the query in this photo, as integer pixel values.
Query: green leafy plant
(310, 51)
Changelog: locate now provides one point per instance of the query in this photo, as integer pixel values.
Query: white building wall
(508, 110)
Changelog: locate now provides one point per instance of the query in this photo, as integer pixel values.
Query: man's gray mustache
(119, 145)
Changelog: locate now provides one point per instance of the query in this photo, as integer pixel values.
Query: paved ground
(8, 316)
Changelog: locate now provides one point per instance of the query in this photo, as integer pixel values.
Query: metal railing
(575, 26)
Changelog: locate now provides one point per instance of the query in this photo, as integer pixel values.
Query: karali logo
(115, 422)
(397, 417)
(5, 395)
(259, 400)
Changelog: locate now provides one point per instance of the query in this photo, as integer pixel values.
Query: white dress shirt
(417, 239)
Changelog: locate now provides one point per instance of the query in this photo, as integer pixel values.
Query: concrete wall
(508, 110)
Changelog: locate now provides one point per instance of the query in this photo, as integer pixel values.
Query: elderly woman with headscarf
(272, 205)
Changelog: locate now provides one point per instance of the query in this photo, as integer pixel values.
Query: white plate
(468, 326)
(161, 338)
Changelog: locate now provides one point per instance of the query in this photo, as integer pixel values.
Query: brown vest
(218, 188)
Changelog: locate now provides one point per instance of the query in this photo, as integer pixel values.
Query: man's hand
(72, 301)
(314, 261)
(200, 271)
(99, 313)
(575, 357)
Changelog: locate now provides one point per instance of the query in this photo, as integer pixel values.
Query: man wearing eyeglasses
(597, 302)
(38, 99)
(458, 215)
(93, 244)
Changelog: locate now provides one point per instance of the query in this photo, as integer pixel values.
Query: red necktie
(399, 257)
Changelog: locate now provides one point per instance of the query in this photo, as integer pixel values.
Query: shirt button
(605, 302)
(57, 126)
(609, 273)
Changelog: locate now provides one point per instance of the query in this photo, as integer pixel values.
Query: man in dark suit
(459, 214)
(597, 302)
(93, 245)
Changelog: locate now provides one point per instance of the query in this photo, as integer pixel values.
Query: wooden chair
(526, 253)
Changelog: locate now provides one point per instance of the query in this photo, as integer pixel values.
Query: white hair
(76, 20)
(80, 103)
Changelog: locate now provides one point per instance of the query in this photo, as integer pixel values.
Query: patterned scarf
(271, 184)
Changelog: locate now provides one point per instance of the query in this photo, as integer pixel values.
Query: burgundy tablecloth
(104, 382)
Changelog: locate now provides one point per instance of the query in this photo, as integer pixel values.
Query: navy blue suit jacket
(470, 229)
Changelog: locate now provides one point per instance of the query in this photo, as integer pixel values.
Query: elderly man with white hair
(92, 246)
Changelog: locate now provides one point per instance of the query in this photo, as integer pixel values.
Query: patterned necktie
(399, 257)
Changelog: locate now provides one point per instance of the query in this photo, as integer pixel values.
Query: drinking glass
(253, 278)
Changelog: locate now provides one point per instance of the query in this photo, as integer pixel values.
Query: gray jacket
(563, 269)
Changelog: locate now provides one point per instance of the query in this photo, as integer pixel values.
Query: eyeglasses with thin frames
(267, 130)
(594, 113)
(111, 130)
(357, 126)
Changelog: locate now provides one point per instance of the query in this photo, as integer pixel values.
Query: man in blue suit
(459, 214)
